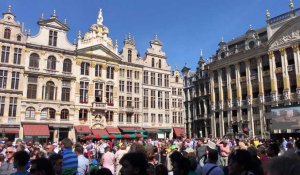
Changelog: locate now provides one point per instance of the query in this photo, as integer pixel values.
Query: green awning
(164, 129)
(115, 136)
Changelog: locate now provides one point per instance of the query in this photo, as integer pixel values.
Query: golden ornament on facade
(26, 50)
(295, 48)
(78, 62)
(271, 54)
(282, 51)
(117, 68)
(43, 52)
(93, 64)
(104, 66)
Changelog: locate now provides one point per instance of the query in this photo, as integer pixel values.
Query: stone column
(273, 74)
(251, 121)
(238, 92)
(297, 64)
(285, 74)
(40, 90)
(9, 79)
(24, 83)
(262, 122)
(221, 119)
(260, 76)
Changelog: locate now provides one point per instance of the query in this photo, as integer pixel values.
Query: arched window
(67, 67)
(19, 38)
(51, 63)
(50, 88)
(85, 68)
(7, 32)
(152, 62)
(129, 55)
(30, 113)
(64, 114)
(83, 113)
(34, 60)
(159, 63)
(176, 79)
(48, 113)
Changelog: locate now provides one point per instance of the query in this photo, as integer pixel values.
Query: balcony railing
(34, 69)
(290, 67)
(99, 105)
(50, 71)
(11, 120)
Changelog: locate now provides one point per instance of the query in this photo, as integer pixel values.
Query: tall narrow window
(160, 103)
(166, 80)
(19, 38)
(152, 98)
(109, 95)
(98, 70)
(17, 55)
(159, 80)
(34, 60)
(153, 118)
(129, 74)
(159, 64)
(15, 80)
(160, 118)
(145, 77)
(121, 117)
(65, 91)
(174, 117)
(136, 103)
(98, 92)
(52, 38)
(152, 78)
(83, 114)
(167, 118)
(12, 112)
(5, 54)
(128, 117)
(121, 101)
(129, 102)
(3, 79)
(64, 114)
(32, 87)
(136, 88)
(129, 56)
(30, 113)
(84, 92)
(136, 75)
(136, 118)
(7, 32)
(110, 72)
(146, 100)
(67, 67)
(152, 62)
(109, 116)
(121, 86)
(167, 100)
(48, 113)
(51, 63)
(176, 79)
(129, 87)
(2, 105)
(85, 68)
(50, 89)
(122, 73)
(146, 120)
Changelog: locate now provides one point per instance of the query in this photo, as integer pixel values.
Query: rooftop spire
(156, 36)
(201, 54)
(268, 14)
(53, 14)
(291, 5)
(100, 17)
(65, 21)
(222, 39)
(42, 16)
(9, 9)
(79, 34)
(250, 27)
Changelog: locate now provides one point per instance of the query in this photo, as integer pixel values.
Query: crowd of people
(152, 157)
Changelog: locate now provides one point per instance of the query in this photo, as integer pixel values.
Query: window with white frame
(48, 113)
(136, 88)
(180, 120)
(98, 70)
(5, 54)
(166, 80)
(67, 65)
(136, 103)
(30, 113)
(17, 55)
(174, 103)
(129, 74)
(167, 118)
(136, 118)
(3, 79)
(160, 118)
(2, 105)
(85, 68)
(110, 72)
(129, 86)
(146, 118)
(83, 114)
(129, 102)
(109, 95)
(109, 116)
(122, 73)
(152, 78)
(179, 103)
(174, 117)
(98, 92)
(65, 90)
(128, 118)
(121, 117)
(52, 38)
(153, 118)
(160, 101)
(51, 63)
(174, 91)
(15, 77)
(146, 99)
(121, 101)
(50, 91)
(159, 79)
(34, 60)
(146, 77)
(84, 91)
(167, 100)
(152, 98)
(121, 86)
(32, 87)
(179, 92)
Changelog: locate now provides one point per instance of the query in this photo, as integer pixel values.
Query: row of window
(153, 81)
(15, 78)
(176, 119)
(84, 92)
(129, 87)
(129, 74)
(12, 111)
(129, 103)
(176, 91)
(7, 34)
(5, 53)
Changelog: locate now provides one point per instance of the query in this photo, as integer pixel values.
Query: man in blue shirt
(70, 160)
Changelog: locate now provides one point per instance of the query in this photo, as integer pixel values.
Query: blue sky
(184, 26)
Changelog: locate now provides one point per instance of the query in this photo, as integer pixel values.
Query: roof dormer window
(52, 38)
(7, 32)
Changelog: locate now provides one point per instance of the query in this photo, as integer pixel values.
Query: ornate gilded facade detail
(282, 51)
(117, 68)
(43, 52)
(93, 64)
(104, 66)
(271, 54)
(78, 61)
(295, 48)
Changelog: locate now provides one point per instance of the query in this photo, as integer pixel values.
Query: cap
(211, 145)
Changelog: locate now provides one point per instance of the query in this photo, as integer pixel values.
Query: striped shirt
(70, 161)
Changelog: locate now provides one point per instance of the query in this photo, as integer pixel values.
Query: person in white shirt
(102, 147)
(119, 154)
(211, 167)
(83, 163)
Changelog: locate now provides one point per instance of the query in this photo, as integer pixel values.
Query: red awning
(9, 130)
(97, 132)
(82, 129)
(113, 130)
(41, 131)
(151, 130)
(179, 132)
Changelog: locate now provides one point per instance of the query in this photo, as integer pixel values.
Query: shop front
(152, 133)
(82, 131)
(9, 133)
(36, 133)
(164, 133)
(178, 132)
(59, 131)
